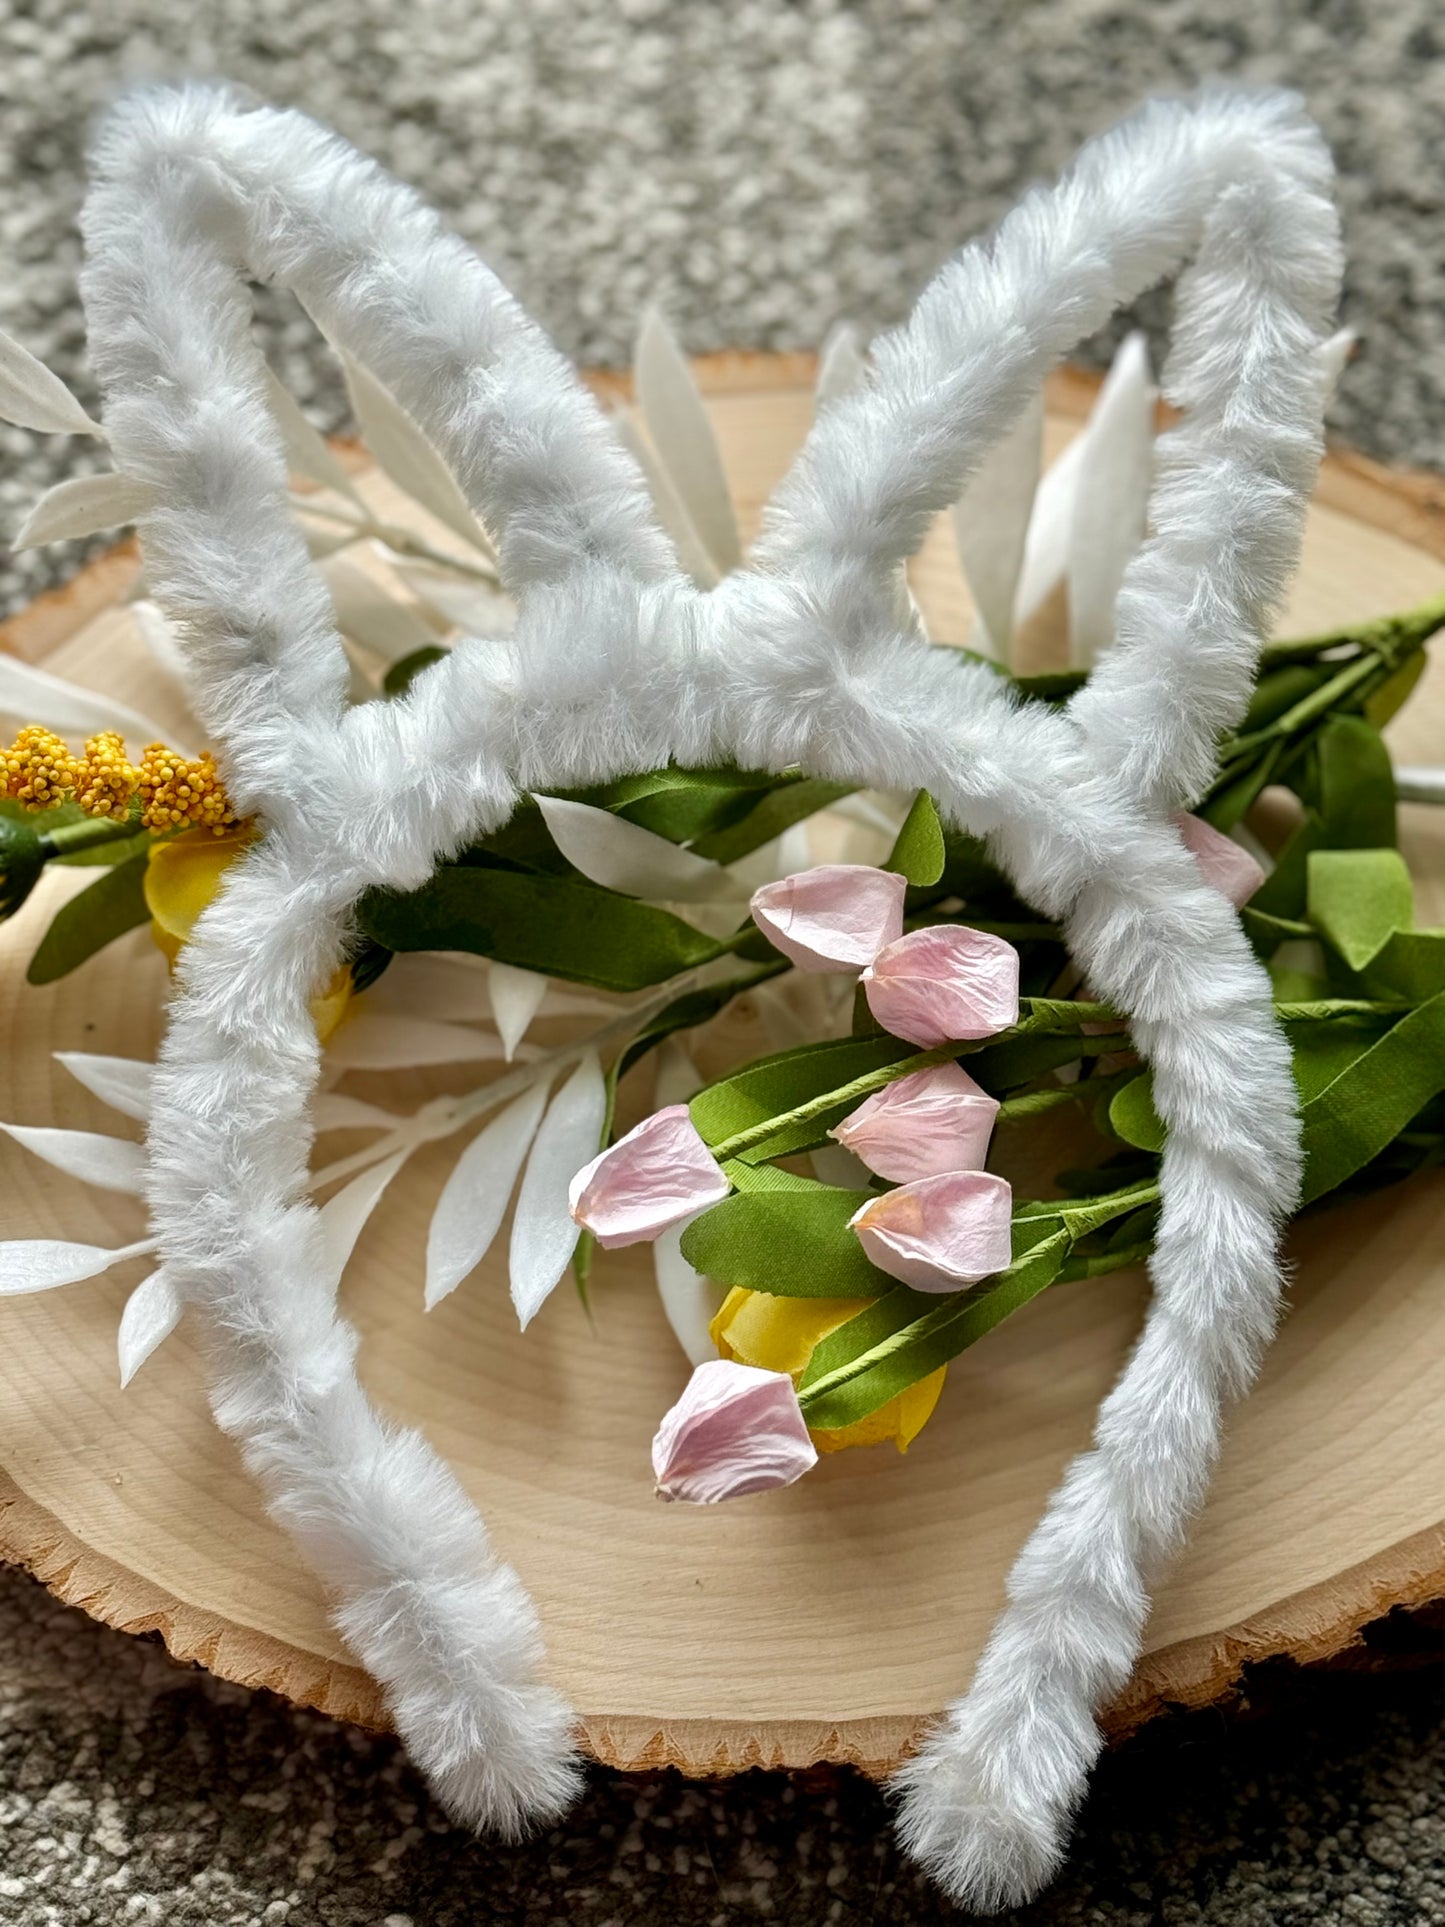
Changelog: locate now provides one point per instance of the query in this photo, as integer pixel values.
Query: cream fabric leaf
(449, 987)
(842, 365)
(544, 1235)
(475, 1197)
(400, 448)
(151, 1314)
(692, 551)
(39, 1264)
(374, 1042)
(343, 1217)
(335, 1111)
(307, 450)
(682, 433)
(367, 614)
(1046, 549)
(1112, 503)
(122, 1082)
(32, 396)
(991, 525)
(109, 1163)
(83, 505)
(472, 607)
(159, 635)
(516, 997)
(623, 856)
(32, 695)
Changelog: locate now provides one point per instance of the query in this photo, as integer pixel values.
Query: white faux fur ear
(619, 664)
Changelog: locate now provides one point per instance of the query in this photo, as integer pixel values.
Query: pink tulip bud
(656, 1176)
(944, 982)
(940, 1233)
(1222, 862)
(922, 1125)
(835, 917)
(736, 1429)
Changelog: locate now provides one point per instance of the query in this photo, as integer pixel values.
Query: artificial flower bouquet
(826, 1226)
(652, 778)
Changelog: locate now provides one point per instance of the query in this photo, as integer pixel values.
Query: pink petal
(1222, 862)
(835, 917)
(922, 1126)
(940, 1233)
(943, 983)
(656, 1176)
(736, 1429)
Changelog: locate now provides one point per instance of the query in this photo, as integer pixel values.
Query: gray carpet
(762, 169)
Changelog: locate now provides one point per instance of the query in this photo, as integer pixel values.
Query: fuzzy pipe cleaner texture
(618, 664)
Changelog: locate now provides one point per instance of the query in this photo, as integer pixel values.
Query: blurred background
(761, 170)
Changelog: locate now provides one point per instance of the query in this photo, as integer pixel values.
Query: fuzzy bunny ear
(1240, 183)
(193, 193)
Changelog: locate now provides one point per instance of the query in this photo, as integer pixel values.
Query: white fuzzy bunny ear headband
(619, 664)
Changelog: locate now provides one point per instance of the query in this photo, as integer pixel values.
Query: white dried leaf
(1112, 504)
(31, 695)
(474, 1199)
(307, 451)
(404, 452)
(385, 624)
(161, 638)
(842, 364)
(151, 1314)
(109, 1163)
(33, 396)
(83, 505)
(334, 1111)
(473, 607)
(991, 525)
(692, 552)
(544, 1235)
(344, 1216)
(682, 433)
(122, 1082)
(623, 856)
(451, 988)
(373, 1042)
(1334, 358)
(1046, 551)
(39, 1264)
(516, 997)
(689, 1301)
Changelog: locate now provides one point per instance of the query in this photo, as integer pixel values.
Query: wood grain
(828, 1622)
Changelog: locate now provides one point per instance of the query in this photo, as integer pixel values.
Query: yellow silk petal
(779, 1334)
(183, 874)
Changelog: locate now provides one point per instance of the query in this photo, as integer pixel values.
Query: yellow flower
(183, 874)
(779, 1334)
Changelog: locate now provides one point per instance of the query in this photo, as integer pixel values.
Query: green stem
(92, 834)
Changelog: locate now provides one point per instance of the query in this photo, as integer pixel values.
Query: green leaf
(793, 1242)
(1411, 964)
(1359, 1112)
(856, 1369)
(790, 803)
(683, 804)
(1357, 785)
(773, 1085)
(1322, 1050)
(1358, 899)
(919, 854)
(550, 924)
(111, 905)
(1132, 1115)
(1395, 691)
(404, 672)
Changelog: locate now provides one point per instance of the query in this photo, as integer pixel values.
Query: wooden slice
(827, 1622)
